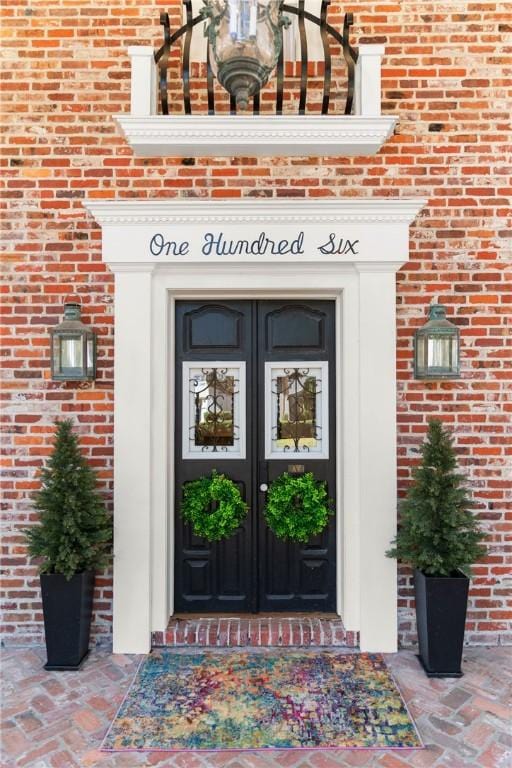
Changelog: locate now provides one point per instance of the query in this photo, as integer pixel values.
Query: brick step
(268, 631)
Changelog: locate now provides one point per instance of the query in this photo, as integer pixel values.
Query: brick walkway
(279, 631)
(57, 720)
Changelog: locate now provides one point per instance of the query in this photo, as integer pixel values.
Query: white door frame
(147, 286)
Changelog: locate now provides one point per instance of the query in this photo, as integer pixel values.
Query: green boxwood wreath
(228, 512)
(297, 507)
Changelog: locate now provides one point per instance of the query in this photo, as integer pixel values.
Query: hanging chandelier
(244, 40)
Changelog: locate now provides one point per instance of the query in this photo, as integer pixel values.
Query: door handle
(263, 476)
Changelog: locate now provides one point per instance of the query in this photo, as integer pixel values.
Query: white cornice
(255, 135)
(271, 211)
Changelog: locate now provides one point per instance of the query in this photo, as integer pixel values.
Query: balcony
(298, 114)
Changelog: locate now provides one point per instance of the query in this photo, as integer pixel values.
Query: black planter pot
(67, 609)
(441, 603)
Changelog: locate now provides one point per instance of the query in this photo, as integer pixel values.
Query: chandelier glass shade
(245, 40)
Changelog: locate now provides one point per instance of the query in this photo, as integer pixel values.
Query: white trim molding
(256, 135)
(274, 250)
(364, 210)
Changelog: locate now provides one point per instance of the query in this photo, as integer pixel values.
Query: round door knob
(263, 487)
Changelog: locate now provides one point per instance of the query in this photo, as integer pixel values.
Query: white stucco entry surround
(348, 250)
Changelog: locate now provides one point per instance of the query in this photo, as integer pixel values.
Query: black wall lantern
(436, 347)
(73, 347)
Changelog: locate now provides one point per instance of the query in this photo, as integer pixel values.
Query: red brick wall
(67, 72)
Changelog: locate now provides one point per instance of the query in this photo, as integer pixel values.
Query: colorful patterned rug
(245, 700)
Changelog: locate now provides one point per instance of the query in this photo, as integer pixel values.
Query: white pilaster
(162, 463)
(143, 88)
(377, 446)
(368, 80)
(348, 407)
(132, 460)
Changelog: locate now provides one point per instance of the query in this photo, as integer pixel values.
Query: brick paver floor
(57, 720)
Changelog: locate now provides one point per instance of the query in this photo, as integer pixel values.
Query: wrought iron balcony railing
(330, 37)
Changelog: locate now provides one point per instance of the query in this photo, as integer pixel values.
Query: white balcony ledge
(223, 135)
(255, 136)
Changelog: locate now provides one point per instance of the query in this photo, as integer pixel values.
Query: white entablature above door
(341, 232)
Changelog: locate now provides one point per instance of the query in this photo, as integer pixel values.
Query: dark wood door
(255, 397)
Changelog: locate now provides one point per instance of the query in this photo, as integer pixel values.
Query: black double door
(255, 397)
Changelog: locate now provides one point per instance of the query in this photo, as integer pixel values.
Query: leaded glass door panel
(254, 398)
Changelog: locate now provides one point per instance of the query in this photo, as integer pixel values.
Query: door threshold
(256, 631)
(250, 616)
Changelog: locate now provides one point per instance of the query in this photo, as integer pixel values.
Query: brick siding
(66, 72)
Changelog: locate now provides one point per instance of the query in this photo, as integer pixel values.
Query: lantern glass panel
(91, 357)
(439, 352)
(72, 355)
(55, 354)
(421, 357)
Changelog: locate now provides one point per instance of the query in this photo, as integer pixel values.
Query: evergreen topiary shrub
(437, 533)
(74, 532)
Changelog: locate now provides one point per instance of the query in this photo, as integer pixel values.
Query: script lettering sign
(213, 244)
